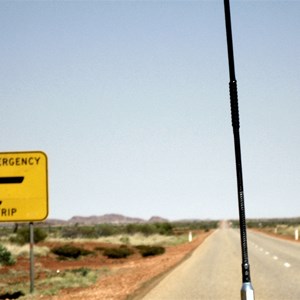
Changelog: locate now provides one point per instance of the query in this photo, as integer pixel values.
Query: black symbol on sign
(11, 180)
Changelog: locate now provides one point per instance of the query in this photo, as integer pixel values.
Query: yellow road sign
(23, 186)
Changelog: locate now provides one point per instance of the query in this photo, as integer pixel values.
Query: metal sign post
(247, 292)
(31, 234)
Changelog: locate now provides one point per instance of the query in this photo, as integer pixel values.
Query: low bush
(150, 228)
(68, 279)
(70, 251)
(150, 250)
(116, 253)
(23, 236)
(90, 232)
(6, 258)
(99, 248)
(125, 240)
(81, 271)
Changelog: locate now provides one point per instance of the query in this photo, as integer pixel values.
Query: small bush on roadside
(67, 279)
(69, 232)
(125, 240)
(81, 271)
(147, 229)
(164, 228)
(99, 248)
(6, 258)
(107, 229)
(116, 253)
(90, 232)
(23, 236)
(70, 251)
(150, 250)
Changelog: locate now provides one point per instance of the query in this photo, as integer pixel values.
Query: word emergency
(19, 161)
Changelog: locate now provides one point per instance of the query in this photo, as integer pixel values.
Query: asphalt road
(214, 272)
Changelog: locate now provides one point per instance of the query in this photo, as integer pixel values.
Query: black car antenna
(247, 292)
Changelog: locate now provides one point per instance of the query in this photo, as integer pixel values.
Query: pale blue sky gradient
(130, 101)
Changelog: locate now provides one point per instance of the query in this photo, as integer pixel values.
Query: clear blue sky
(130, 101)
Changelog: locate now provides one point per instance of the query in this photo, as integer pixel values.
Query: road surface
(213, 272)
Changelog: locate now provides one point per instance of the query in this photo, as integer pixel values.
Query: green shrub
(67, 279)
(81, 271)
(107, 229)
(132, 228)
(147, 229)
(121, 252)
(150, 250)
(164, 228)
(195, 225)
(99, 248)
(125, 240)
(6, 258)
(23, 236)
(70, 251)
(69, 232)
(90, 232)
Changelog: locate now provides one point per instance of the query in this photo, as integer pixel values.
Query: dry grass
(286, 230)
(54, 282)
(135, 239)
(24, 250)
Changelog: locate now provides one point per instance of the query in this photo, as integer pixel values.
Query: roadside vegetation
(69, 243)
(284, 227)
(103, 244)
(51, 282)
(6, 257)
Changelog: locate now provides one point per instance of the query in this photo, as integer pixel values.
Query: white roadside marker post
(190, 236)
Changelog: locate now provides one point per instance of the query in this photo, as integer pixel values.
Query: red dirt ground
(127, 277)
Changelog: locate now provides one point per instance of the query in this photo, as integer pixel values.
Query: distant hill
(107, 218)
(157, 219)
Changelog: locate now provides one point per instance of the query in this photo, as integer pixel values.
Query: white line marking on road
(286, 264)
(275, 257)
